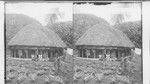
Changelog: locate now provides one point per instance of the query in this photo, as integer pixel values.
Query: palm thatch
(35, 35)
(104, 35)
(14, 23)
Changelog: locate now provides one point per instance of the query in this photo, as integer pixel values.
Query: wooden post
(132, 54)
(46, 51)
(78, 52)
(26, 53)
(37, 52)
(41, 53)
(19, 53)
(85, 51)
(51, 52)
(15, 53)
(94, 52)
(118, 53)
(82, 53)
(104, 53)
(11, 53)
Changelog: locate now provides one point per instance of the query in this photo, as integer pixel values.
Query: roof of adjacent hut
(36, 35)
(104, 35)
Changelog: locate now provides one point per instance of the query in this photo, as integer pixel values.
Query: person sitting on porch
(100, 57)
(40, 57)
(34, 57)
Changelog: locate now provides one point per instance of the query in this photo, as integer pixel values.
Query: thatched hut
(102, 41)
(33, 40)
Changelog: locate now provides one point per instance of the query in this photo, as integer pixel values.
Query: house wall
(113, 53)
(21, 52)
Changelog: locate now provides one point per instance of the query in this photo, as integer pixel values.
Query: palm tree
(56, 15)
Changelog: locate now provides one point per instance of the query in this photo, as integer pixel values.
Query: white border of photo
(146, 41)
(2, 42)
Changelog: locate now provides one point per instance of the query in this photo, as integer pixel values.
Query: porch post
(131, 53)
(37, 52)
(15, 53)
(41, 53)
(118, 53)
(78, 52)
(104, 53)
(126, 52)
(86, 53)
(11, 53)
(82, 52)
(94, 52)
(26, 53)
(46, 51)
(19, 53)
(51, 52)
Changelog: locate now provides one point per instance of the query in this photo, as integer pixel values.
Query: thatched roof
(36, 35)
(104, 35)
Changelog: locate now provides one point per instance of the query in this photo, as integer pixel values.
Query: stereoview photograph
(73, 43)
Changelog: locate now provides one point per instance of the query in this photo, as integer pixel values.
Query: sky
(133, 10)
(40, 10)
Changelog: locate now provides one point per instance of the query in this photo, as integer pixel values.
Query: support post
(11, 53)
(41, 53)
(15, 53)
(118, 53)
(82, 53)
(26, 53)
(78, 52)
(19, 53)
(94, 53)
(51, 54)
(104, 52)
(46, 53)
(37, 52)
(132, 54)
(85, 51)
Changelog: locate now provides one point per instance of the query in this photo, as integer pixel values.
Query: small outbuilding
(36, 40)
(102, 41)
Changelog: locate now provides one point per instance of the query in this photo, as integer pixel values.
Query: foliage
(108, 72)
(30, 72)
(133, 30)
(63, 29)
(52, 18)
(117, 18)
(134, 68)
